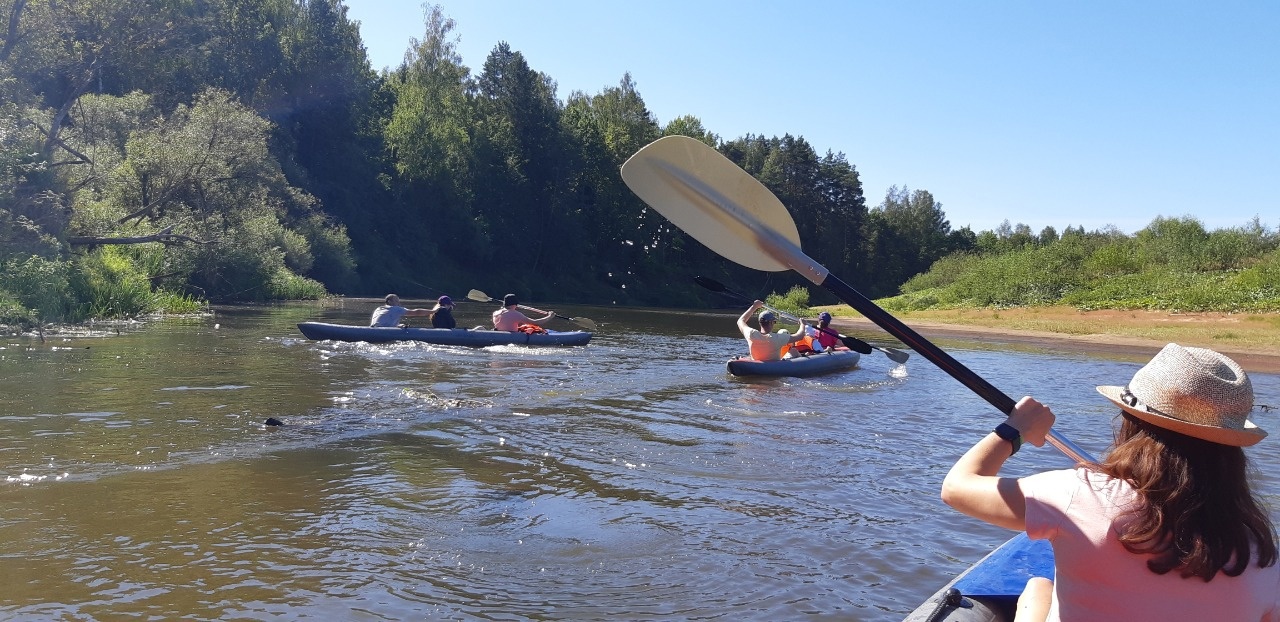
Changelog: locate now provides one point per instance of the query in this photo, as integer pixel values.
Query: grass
(1252, 332)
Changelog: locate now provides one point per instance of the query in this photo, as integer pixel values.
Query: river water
(628, 479)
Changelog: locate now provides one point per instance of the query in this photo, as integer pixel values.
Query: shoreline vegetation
(1252, 339)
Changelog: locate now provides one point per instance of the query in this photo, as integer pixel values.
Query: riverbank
(1253, 340)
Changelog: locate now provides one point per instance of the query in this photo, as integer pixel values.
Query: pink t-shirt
(1097, 579)
(508, 319)
(828, 340)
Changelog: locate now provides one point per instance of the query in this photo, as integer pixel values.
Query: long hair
(1198, 515)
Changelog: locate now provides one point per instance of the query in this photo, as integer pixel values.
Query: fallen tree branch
(164, 236)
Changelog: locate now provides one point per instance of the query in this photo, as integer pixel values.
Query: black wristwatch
(1011, 434)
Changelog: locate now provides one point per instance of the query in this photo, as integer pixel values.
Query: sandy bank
(1252, 340)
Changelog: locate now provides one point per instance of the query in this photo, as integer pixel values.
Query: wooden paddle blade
(478, 296)
(685, 180)
(583, 322)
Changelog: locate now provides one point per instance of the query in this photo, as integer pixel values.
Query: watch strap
(1011, 434)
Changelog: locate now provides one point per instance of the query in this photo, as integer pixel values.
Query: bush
(12, 313)
(942, 273)
(1173, 265)
(39, 286)
(176, 304)
(795, 301)
(286, 285)
(107, 283)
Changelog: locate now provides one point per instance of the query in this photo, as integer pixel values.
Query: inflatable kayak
(441, 336)
(800, 366)
(988, 591)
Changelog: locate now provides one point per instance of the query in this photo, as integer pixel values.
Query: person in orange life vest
(1165, 527)
(389, 314)
(442, 314)
(826, 335)
(764, 344)
(509, 318)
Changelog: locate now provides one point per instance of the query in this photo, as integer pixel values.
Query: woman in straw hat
(1164, 528)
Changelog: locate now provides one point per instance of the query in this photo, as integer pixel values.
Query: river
(628, 479)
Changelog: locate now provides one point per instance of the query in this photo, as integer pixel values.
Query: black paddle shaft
(913, 340)
(973, 381)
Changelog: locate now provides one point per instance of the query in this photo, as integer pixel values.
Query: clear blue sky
(1048, 113)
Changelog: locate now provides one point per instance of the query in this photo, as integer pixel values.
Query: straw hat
(1192, 391)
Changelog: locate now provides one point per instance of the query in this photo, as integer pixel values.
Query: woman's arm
(973, 486)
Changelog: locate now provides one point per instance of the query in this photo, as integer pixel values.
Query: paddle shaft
(944, 361)
(732, 213)
(528, 308)
(480, 296)
(563, 317)
(795, 320)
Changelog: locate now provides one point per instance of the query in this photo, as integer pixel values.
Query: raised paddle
(857, 345)
(480, 296)
(429, 288)
(733, 214)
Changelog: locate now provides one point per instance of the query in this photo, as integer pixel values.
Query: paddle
(733, 214)
(432, 289)
(857, 345)
(480, 296)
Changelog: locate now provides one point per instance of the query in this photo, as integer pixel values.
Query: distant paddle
(732, 213)
(480, 296)
(857, 345)
(428, 287)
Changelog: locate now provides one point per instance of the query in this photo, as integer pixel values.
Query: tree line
(159, 153)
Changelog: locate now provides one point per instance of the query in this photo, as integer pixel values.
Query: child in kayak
(1166, 526)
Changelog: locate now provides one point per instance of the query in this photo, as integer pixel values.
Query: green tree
(204, 175)
(429, 138)
(691, 126)
(328, 124)
(519, 152)
(628, 245)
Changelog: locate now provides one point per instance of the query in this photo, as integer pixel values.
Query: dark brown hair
(1198, 516)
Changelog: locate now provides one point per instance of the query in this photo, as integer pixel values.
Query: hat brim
(1250, 435)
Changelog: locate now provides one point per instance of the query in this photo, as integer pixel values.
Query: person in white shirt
(764, 344)
(389, 314)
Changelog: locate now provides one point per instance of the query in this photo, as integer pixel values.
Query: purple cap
(445, 301)
(824, 317)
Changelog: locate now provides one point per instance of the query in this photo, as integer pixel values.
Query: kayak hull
(440, 336)
(801, 366)
(988, 591)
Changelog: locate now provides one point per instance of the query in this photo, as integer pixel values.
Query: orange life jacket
(802, 347)
(531, 329)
